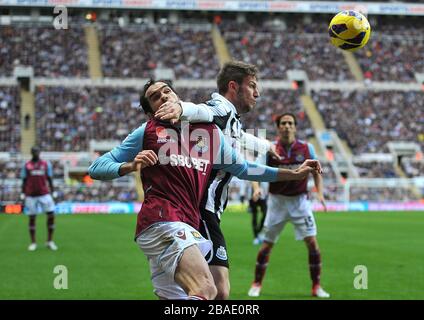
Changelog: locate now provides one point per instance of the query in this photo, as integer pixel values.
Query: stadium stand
(50, 52)
(68, 118)
(72, 111)
(9, 119)
(186, 49)
(375, 118)
(275, 50)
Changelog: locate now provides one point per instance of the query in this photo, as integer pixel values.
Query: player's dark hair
(277, 120)
(144, 102)
(234, 71)
(35, 149)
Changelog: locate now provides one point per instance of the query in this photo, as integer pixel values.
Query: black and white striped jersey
(224, 114)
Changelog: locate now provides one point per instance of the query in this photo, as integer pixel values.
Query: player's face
(159, 93)
(287, 128)
(247, 94)
(35, 154)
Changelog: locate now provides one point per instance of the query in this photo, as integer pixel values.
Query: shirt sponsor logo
(196, 235)
(161, 132)
(300, 157)
(162, 135)
(200, 145)
(181, 234)
(221, 253)
(37, 172)
(189, 162)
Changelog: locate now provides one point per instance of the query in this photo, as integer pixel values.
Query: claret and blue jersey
(292, 158)
(187, 154)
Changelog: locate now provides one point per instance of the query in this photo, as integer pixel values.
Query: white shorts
(40, 204)
(163, 244)
(282, 209)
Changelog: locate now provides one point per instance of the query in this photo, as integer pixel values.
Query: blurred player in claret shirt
(37, 190)
(288, 201)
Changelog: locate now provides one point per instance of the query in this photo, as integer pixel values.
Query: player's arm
(253, 143)
(318, 180)
(50, 176)
(24, 180)
(214, 111)
(129, 156)
(229, 161)
(257, 191)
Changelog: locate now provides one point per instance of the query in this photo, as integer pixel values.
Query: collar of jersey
(217, 96)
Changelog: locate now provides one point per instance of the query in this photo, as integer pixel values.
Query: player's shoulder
(303, 144)
(220, 103)
(207, 126)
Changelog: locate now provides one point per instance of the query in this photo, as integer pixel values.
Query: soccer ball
(349, 30)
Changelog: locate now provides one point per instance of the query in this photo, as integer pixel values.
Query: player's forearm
(51, 185)
(254, 172)
(319, 185)
(196, 112)
(105, 168)
(23, 185)
(126, 168)
(290, 175)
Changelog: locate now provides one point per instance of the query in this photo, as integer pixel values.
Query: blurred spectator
(10, 136)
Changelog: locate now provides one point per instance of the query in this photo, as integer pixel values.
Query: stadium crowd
(10, 119)
(392, 58)
(275, 51)
(376, 169)
(187, 50)
(68, 118)
(52, 53)
(97, 193)
(375, 118)
(413, 168)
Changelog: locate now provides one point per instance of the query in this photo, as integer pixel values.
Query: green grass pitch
(103, 262)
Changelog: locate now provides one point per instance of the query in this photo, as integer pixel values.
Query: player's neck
(287, 143)
(35, 159)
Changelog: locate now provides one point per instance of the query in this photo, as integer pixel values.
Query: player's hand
(257, 194)
(22, 196)
(303, 172)
(170, 110)
(143, 159)
(324, 206)
(54, 195)
(273, 152)
(314, 164)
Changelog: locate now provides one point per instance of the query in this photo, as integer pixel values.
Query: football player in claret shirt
(176, 161)
(288, 202)
(37, 189)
